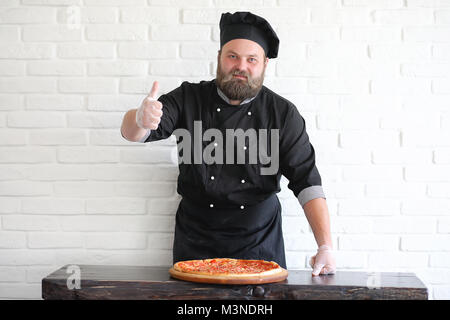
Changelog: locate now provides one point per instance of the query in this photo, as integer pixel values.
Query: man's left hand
(323, 262)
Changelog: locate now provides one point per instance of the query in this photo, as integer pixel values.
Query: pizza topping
(226, 266)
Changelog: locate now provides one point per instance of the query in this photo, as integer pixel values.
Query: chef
(229, 208)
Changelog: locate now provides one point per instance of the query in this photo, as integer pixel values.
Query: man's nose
(241, 65)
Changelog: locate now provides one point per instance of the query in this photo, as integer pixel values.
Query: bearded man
(231, 210)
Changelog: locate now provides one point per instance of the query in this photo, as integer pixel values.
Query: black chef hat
(246, 25)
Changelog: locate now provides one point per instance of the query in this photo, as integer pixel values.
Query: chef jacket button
(249, 113)
(211, 205)
(212, 177)
(242, 207)
(218, 109)
(242, 181)
(215, 144)
(245, 148)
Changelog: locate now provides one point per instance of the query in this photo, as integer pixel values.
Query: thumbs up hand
(149, 113)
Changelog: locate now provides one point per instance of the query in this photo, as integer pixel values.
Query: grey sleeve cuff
(146, 136)
(310, 193)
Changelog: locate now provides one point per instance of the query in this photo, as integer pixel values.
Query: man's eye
(232, 56)
(252, 60)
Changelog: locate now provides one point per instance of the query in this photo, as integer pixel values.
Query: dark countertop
(146, 282)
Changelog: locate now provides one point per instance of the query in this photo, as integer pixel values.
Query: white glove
(149, 113)
(323, 262)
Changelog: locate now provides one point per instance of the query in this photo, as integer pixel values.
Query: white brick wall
(371, 77)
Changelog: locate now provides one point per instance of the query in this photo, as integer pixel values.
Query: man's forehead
(244, 47)
(252, 54)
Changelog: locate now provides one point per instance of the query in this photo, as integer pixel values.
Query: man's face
(240, 69)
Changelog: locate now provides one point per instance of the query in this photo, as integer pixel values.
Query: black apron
(252, 233)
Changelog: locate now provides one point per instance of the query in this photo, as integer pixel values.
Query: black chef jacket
(209, 189)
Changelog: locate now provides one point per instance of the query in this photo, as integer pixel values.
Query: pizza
(227, 270)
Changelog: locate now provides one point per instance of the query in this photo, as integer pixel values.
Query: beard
(238, 89)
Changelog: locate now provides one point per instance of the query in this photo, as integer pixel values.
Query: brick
(398, 260)
(425, 138)
(199, 50)
(426, 207)
(134, 173)
(163, 206)
(140, 189)
(443, 226)
(395, 190)
(91, 15)
(425, 69)
(441, 86)
(403, 225)
(391, 4)
(54, 137)
(26, 15)
(337, 86)
(26, 51)
(12, 240)
(373, 34)
(438, 173)
(87, 155)
(12, 68)
(27, 84)
(427, 3)
(52, 2)
(53, 206)
(35, 119)
(12, 137)
(107, 137)
(56, 68)
(186, 68)
(347, 121)
(21, 291)
(87, 85)
(86, 51)
(353, 225)
(368, 207)
(9, 34)
(50, 33)
(54, 240)
(160, 241)
(30, 223)
(402, 86)
(438, 190)
(373, 173)
(440, 260)
(441, 51)
(308, 3)
(425, 243)
(94, 120)
(25, 188)
(115, 206)
(202, 16)
(115, 241)
(57, 172)
(86, 189)
(369, 139)
(114, 3)
(349, 16)
(11, 102)
(299, 33)
(148, 50)
(339, 156)
(119, 68)
(304, 68)
(12, 274)
(150, 16)
(54, 102)
(403, 17)
(26, 155)
(426, 34)
(401, 156)
(368, 242)
(116, 32)
(150, 155)
(180, 32)
(113, 102)
(403, 52)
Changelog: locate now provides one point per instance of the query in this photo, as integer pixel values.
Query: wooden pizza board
(237, 280)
